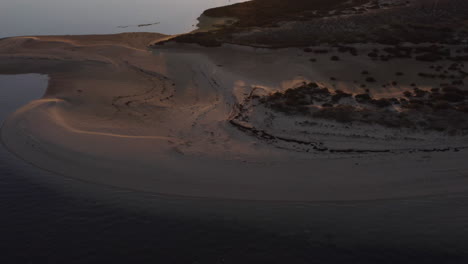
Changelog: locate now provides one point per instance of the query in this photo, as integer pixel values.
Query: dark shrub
(321, 51)
(394, 100)
(429, 57)
(419, 93)
(453, 97)
(312, 85)
(361, 98)
(339, 95)
(427, 75)
(373, 54)
(381, 103)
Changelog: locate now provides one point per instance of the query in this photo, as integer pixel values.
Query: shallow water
(47, 218)
(62, 17)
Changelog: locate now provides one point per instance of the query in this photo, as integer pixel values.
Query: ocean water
(61, 17)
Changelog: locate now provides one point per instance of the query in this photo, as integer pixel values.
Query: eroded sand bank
(116, 113)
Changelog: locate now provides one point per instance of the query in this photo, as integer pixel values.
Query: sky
(59, 17)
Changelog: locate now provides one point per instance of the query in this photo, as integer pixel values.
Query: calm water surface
(61, 17)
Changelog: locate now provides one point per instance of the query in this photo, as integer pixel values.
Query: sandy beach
(161, 120)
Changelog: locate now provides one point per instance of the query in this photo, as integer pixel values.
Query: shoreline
(214, 118)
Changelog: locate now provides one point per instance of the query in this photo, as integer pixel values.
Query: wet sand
(158, 121)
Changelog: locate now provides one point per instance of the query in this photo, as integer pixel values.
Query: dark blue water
(46, 218)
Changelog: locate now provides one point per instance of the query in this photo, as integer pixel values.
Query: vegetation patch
(269, 12)
(439, 109)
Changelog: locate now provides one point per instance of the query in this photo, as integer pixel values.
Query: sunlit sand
(161, 121)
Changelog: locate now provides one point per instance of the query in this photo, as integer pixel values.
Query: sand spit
(167, 121)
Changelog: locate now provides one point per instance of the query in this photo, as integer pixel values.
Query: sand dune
(119, 114)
